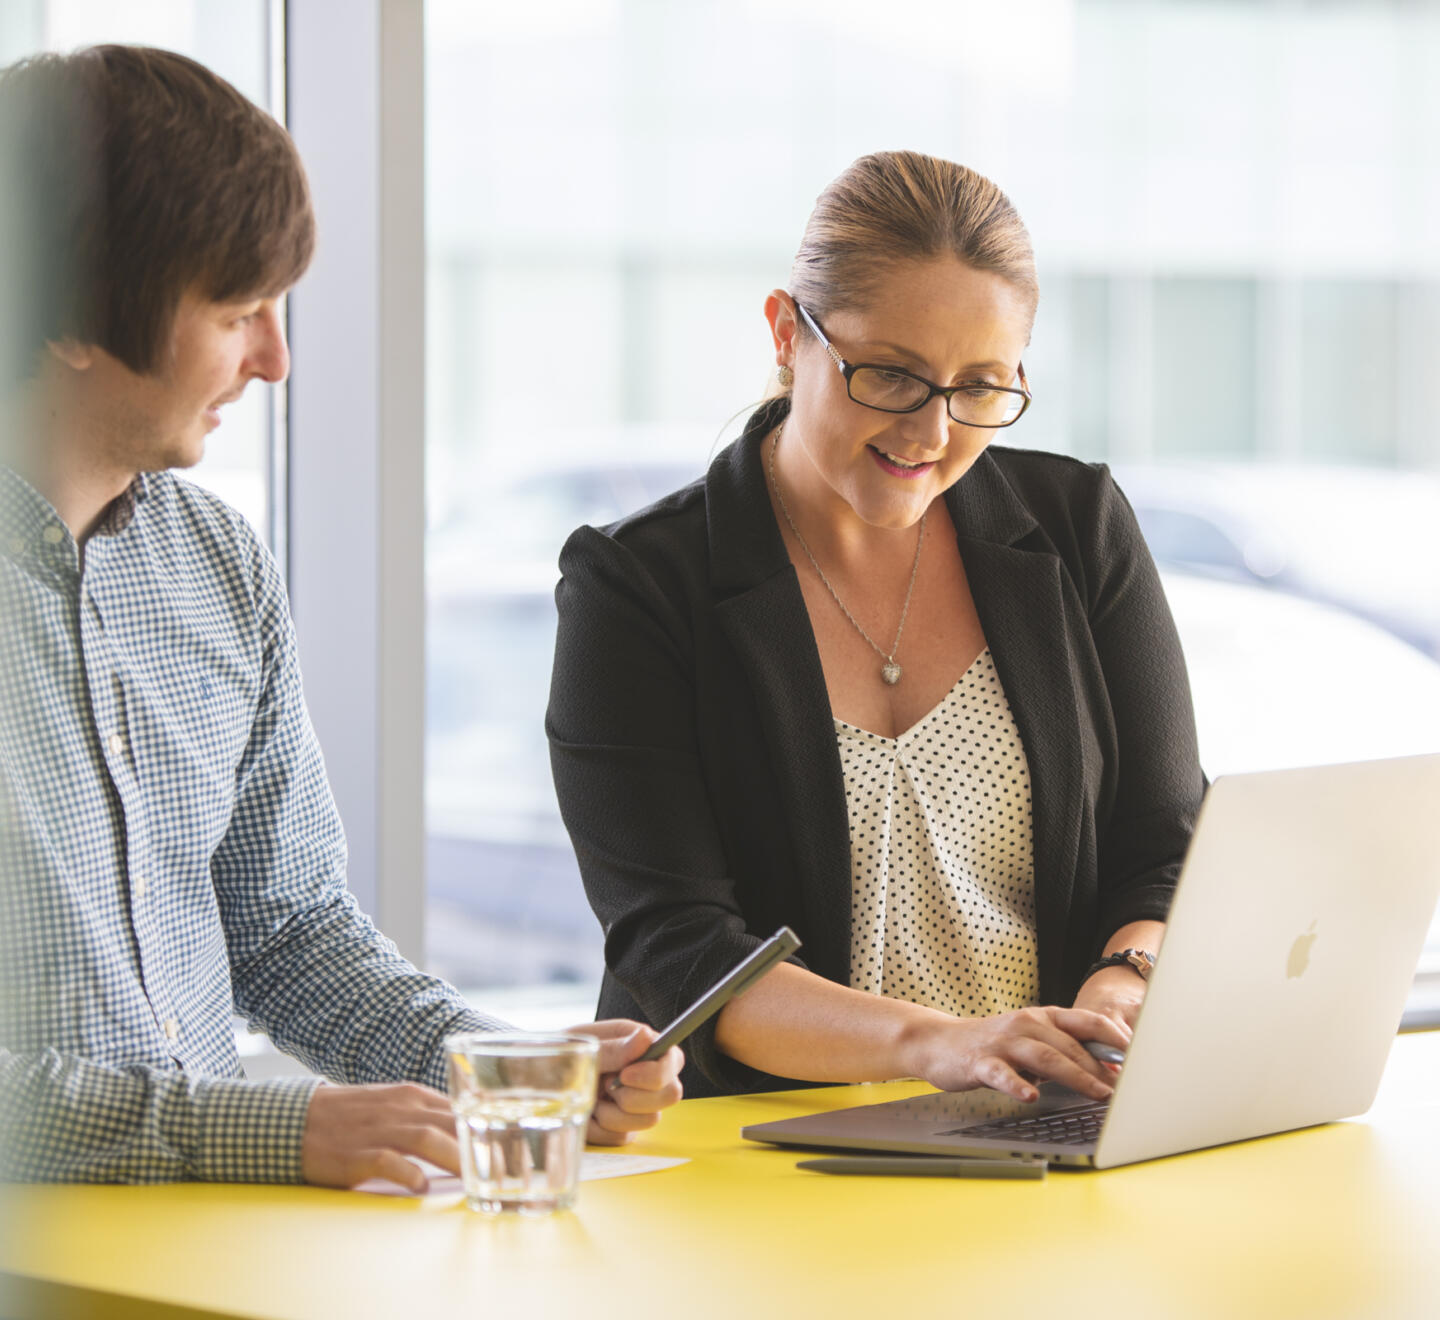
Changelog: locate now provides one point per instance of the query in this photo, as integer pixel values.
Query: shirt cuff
(252, 1132)
(437, 1073)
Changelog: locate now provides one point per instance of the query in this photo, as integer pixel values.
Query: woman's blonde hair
(900, 205)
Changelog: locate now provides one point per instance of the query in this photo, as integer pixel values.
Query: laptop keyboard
(1068, 1127)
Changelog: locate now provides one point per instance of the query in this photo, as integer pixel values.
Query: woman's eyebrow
(895, 348)
(910, 353)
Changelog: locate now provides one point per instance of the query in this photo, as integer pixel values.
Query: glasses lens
(893, 391)
(985, 407)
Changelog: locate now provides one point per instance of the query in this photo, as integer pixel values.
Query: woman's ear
(780, 312)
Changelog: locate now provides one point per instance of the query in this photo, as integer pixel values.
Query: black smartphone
(776, 949)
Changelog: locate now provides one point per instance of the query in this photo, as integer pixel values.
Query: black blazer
(694, 751)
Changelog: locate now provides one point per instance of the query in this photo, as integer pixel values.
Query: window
(606, 214)
(1206, 366)
(1351, 363)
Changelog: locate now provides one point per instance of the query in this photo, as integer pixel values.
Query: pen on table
(920, 1166)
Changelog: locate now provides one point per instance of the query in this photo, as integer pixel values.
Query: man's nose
(269, 357)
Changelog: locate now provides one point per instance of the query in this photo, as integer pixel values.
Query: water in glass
(520, 1151)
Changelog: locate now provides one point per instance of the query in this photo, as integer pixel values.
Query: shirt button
(172, 1029)
(17, 545)
(140, 886)
(115, 743)
(53, 534)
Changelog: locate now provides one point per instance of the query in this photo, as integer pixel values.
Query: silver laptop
(1291, 945)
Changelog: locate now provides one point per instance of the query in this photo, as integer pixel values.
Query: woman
(919, 698)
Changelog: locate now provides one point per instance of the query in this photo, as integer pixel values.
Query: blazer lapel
(1019, 597)
(761, 612)
(770, 633)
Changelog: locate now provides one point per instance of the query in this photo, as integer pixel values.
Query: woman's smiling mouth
(897, 466)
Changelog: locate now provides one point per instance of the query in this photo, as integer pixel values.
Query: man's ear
(72, 353)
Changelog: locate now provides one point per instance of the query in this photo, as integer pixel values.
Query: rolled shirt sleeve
(70, 1120)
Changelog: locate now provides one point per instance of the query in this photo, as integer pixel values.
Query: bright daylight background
(1234, 207)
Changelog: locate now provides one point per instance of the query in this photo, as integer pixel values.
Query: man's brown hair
(129, 176)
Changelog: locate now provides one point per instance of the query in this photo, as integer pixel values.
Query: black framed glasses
(895, 390)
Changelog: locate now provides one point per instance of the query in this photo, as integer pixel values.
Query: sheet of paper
(594, 1165)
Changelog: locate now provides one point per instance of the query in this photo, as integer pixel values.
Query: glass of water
(521, 1104)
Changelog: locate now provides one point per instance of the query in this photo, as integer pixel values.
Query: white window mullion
(357, 428)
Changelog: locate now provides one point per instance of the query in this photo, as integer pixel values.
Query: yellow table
(1339, 1221)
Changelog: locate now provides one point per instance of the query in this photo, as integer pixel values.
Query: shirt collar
(121, 511)
(25, 515)
(28, 520)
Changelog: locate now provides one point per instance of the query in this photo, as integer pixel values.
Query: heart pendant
(891, 672)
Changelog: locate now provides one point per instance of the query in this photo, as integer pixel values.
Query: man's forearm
(332, 991)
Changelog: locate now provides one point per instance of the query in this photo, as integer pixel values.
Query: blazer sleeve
(631, 784)
(1158, 782)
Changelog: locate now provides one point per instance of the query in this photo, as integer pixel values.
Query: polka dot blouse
(941, 857)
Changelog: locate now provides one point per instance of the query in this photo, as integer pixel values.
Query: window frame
(355, 520)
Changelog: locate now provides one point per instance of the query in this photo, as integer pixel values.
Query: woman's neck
(841, 541)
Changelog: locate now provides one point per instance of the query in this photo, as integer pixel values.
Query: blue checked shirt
(170, 853)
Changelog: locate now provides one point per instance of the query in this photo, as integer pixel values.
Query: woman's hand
(1005, 1052)
(1117, 992)
(631, 1094)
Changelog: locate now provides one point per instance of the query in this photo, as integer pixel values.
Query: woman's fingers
(1012, 1051)
(641, 1099)
(595, 1135)
(1082, 1024)
(1052, 1058)
(615, 1118)
(1078, 1057)
(995, 1073)
(1055, 1050)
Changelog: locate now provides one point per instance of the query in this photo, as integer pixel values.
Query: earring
(785, 376)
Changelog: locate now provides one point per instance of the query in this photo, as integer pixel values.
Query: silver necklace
(890, 672)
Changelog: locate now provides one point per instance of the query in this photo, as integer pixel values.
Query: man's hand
(353, 1133)
(631, 1094)
(357, 1132)
(1117, 992)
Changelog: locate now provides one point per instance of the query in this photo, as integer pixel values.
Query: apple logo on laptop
(1299, 958)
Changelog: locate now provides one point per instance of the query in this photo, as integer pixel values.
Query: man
(169, 848)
